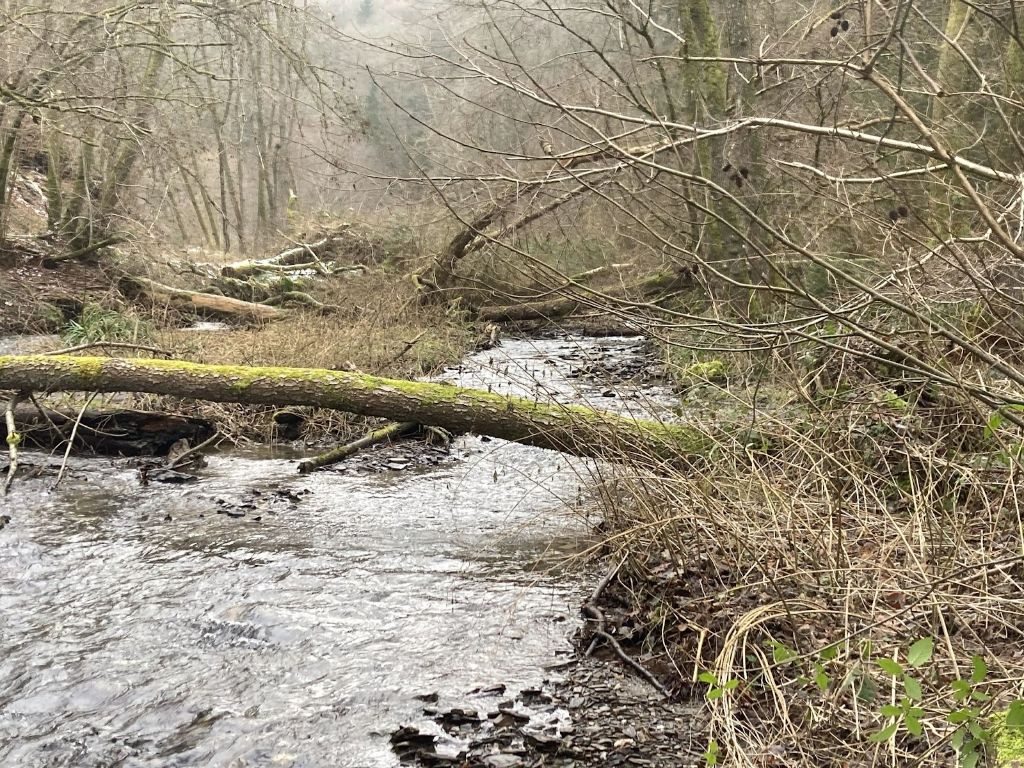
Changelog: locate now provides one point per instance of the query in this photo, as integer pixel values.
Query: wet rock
(161, 475)
(502, 761)
(411, 744)
(598, 715)
(269, 499)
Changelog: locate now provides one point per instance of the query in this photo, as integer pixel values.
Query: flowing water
(138, 627)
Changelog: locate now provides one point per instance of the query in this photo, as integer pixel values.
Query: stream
(139, 627)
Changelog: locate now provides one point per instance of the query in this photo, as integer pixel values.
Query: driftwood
(574, 429)
(342, 452)
(200, 303)
(115, 431)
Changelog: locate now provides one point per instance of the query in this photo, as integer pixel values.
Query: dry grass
(818, 538)
(381, 328)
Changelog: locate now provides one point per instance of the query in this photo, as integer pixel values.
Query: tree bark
(202, 303)
(571, 428)
(117, 431)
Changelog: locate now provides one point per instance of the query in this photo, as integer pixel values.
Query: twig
(181, 459)
(590, 608)
(408, 345)
(92, 248)
(71, 441)
(13, 438)
(115, 344)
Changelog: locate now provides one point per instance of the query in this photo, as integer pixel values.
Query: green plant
(716, 688)
(906, 711)
(99, 324)
(971, 736)
(711, 753)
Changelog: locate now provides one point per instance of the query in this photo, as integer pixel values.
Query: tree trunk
(118, 432)
(650, 288)
(202, 303)
(571, 428)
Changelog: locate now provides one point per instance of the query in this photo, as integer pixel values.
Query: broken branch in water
(71, 441)
(182, 458)
(342, 452)
(13, 438)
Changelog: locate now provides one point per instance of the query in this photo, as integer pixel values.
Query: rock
(160, 475)
(502, 761)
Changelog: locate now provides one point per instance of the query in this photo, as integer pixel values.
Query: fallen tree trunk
(574, 429)
(200, 303)
(648, 288)
(116, 432)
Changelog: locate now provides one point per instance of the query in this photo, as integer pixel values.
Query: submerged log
(118, 431)
(571, 428)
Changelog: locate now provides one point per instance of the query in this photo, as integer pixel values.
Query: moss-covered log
(335, 455)
(575, 429)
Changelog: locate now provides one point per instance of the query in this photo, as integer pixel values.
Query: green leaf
(913, 688)
(958, 716)
(979, 669)
(829, 653)
(711, 753)
(868, 690)
(914, 726)
(1015, 714)
(885, 734)
(891, 710)
(782, 653)
(729, 685)
(920, 652)
(976, 730)
(714, 694)
(995, 421)
(961, 690)
(821, 680)
(957, 739)
(708, 677)
(890, 667)
(970, 759)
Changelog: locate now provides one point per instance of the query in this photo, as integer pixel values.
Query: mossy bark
(574, 429)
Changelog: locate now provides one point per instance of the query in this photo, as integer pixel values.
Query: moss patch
(1007, 742)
